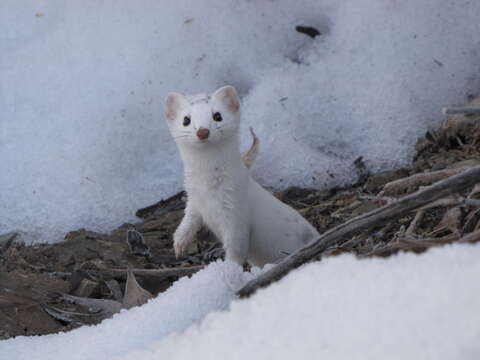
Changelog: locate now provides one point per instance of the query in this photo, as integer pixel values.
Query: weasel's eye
(186, 121)
(217, 116)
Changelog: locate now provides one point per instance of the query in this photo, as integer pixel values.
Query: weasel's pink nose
(203, 133)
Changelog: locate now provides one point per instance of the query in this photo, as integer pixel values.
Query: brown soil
(34, 279)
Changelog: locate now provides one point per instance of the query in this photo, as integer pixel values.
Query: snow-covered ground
(83, 141)
(404, 307)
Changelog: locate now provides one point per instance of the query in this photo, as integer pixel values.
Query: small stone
(137, 243)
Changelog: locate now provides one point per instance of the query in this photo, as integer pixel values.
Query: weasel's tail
(250, 156)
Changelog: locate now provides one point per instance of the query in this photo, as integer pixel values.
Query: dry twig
(417, 180)
(461, 110)
(383, 199)
(156, 273)
(416, 220)
(471, 238)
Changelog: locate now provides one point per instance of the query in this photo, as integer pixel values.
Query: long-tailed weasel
(251, 223)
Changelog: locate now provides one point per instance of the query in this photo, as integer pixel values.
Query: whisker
(224, 129)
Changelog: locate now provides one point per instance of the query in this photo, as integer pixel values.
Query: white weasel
(250, 222)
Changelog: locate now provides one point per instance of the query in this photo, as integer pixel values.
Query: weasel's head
(203, 119)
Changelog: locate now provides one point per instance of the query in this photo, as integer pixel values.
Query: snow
(405, 307)
(83, 142)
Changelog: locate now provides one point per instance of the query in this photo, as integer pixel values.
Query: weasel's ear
(173, 105)
(227, 95)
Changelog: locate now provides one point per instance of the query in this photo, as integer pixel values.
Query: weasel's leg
(236, 245)
(186, 231)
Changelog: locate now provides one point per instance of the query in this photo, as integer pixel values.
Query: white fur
(251, 223)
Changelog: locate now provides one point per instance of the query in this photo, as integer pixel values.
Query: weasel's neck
(208, 160)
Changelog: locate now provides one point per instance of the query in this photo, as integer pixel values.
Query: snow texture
(83, 142)
(405, 307)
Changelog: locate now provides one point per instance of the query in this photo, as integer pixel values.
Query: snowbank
(83, 142)
(404, 307)
(184, 304)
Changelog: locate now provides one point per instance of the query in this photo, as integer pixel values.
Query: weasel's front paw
(180, 245)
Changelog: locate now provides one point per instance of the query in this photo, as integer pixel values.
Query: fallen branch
(461, 110)
(384, 199)
(417, 180)
(345, 231)
(419, 243)
(409, 243)
(156, 273)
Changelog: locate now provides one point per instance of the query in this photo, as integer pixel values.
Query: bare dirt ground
(48, 288)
